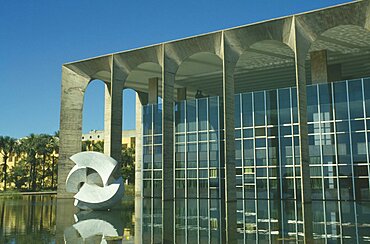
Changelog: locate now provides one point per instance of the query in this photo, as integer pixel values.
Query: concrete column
(141, 99)
(113, 116)
(301, 46)
(73, 89)
(321, 72)
(319, 67)
(335, 72)
(153, 90)
(168, 81)
(229, 60)
(181, 94)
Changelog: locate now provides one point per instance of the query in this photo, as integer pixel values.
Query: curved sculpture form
(94, 182)
(94, 227)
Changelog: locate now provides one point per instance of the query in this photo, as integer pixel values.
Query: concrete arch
(265, 64)
(181, 50)
(310, 26)
(242, 38)
(127, 62)
(343, 49)
(98, 68)
(138, 77)
(316, 23)
(200, 71)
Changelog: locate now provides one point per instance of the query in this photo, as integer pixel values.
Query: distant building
(128, 137)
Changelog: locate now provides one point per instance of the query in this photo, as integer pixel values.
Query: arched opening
(141, 94)
(198, 162)
(266, 122)
(345, 49)
(93, 117)
(265, 65)
(200, 72)
(129, 136)
(338, 106)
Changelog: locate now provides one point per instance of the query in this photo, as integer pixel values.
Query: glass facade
(338, 119)
(267, 154)
(152, 173)
(267, 165)
(198, 171)
(198, 168)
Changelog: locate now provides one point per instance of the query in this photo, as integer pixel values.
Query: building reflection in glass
(262, 221)
(268, 172)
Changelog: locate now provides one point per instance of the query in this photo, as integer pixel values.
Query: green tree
(18, 174)
(53, 147)
(86, 145)
(30, 146)
(128, 165)
(7, 147)
(43, 151)
(98, 146)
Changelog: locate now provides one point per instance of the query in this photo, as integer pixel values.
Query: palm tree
(43, 150)
(30, 147)
(53, 148)
(86, 145)
(7, 147)
(98, 146)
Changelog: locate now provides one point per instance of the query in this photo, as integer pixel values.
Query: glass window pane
(237, 111)
(312, 104)
(340, 100)
(259, 108)
(180, 116)
(247, 110)
(325, 102)
(202, 114)
(294, 104)
(191, 115)
(157, 114)
(367, 95)
(213, 113)
(284, 106)
(355, 99)
(271, 107)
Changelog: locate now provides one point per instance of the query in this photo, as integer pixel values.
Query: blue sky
(38, 36)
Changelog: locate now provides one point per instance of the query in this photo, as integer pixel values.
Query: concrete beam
(73, 90)
(319, 66)
(181, 94)
(334, 72)
(153, 90)
(113, 115)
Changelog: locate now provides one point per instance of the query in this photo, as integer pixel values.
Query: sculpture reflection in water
(96, 227)
(95, 181)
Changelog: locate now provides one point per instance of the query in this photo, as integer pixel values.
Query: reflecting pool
(46, 219)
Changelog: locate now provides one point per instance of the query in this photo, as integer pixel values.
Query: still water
(44, 219)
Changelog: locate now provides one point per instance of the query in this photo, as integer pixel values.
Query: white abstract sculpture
(93, 181)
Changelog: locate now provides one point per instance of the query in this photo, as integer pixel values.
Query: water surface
(46, 219)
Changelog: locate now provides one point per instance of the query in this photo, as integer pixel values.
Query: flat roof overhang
(265, 51)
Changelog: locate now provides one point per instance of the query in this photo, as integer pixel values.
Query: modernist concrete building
(278, 109)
